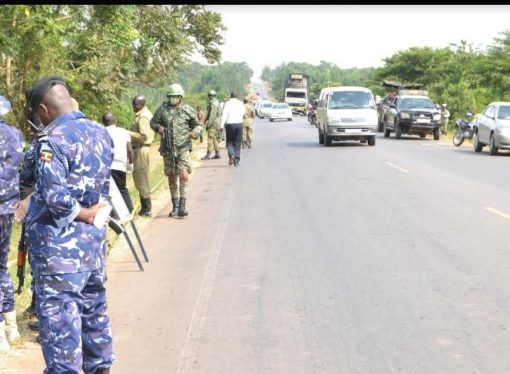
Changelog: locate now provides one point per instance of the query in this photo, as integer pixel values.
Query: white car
(280, 111)
(265, 109)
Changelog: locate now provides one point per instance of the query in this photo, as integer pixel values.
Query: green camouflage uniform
(212, 125)
(180, 120)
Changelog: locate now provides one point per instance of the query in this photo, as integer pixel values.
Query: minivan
(346, 113)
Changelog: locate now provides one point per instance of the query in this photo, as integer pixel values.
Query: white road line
(499, 213)
(397, 167)
(187, 359)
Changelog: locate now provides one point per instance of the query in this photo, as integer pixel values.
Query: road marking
(187, 359)
(499, 213)
(397, 167)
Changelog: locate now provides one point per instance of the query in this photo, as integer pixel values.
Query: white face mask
(175, 100)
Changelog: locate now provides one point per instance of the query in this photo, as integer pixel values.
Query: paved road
(312, 259)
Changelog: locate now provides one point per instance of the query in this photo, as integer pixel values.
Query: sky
(349, 35)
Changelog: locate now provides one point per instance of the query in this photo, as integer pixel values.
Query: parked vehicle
(465, 130)
(280, 111)
(493, 128)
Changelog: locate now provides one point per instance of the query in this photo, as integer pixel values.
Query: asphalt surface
(313, 259)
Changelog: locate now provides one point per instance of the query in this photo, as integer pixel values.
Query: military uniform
(67, 256)
(248, 125)
(11, 155)
(142, 137)
(179, 121)
(213, 126)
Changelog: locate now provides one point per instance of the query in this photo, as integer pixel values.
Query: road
(311, 259)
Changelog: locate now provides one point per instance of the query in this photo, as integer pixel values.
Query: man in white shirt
(123, 152)
(232, 121)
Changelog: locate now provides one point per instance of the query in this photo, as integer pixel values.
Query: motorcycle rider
(311, 112)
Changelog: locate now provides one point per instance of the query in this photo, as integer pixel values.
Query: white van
(346, 113)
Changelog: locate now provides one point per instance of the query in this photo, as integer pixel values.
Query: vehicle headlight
(333, 120)
(405, 115)
(437, 117)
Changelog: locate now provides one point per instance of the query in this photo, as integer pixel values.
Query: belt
(141, 145)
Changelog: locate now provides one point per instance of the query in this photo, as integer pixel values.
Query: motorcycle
(465, 130)
(312, 117)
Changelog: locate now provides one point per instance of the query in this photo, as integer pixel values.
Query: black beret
(36, 93)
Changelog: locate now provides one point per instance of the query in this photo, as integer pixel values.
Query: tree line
(106, 53)
(460, 75)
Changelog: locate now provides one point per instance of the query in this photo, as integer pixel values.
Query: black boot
(102, 371)
(175, 206)
(206, 157)
(141, 212)
(217, 155)
(182, 207)
(146, 207)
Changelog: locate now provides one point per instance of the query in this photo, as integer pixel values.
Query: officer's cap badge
(46, 156)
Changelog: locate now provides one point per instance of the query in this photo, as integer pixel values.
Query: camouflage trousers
(248, 132)
(213, 140)
(6, 285)
(75, 331)
(182, 162)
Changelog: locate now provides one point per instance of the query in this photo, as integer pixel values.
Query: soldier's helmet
(5, 106)
(211, 93)
(175, 90)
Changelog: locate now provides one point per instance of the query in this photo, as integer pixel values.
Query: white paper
(102, 215)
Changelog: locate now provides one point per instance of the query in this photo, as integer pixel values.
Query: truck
(297, 93)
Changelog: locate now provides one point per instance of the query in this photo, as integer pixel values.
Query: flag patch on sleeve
(46, 156)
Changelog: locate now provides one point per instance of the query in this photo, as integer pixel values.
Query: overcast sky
(350, 35)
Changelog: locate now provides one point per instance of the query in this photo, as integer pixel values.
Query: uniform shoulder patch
(46, 156)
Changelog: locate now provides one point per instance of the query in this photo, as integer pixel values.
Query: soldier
(176, 123)
(11, 155)
(142, 137)
(212, 126)
(67, 250)
(248, 124)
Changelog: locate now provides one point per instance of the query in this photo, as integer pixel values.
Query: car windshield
(417, 102)
(350, 100)
(300, 95)
(267, 105)
(504, 112)
(280, 106)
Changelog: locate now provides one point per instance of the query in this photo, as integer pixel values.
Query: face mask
(174, 100)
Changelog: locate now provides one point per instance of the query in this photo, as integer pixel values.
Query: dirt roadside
(26, 357)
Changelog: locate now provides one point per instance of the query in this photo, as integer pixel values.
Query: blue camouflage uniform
(11, 155)
(67, 256)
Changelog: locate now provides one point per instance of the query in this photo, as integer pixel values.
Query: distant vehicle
(280, 111)
(264, 109)
(297, 93)
(346, 113)
(493, 128)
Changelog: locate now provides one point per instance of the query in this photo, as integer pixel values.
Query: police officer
(67, 251)
(142, 137)
(177, 123)
(212, 126)
(11, 155)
